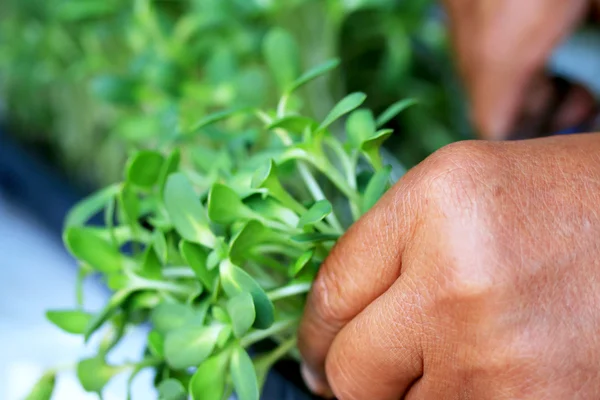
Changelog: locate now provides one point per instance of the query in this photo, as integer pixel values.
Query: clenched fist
(476, 277)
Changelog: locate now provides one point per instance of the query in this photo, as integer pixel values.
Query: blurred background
(82, 83)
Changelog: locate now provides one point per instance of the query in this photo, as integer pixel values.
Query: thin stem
(280, 351)
(289, 291)
(277, 327)
(142, 283)
(282, 105)
(179, 272)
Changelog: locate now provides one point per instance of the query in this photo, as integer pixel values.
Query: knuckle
(327, 293)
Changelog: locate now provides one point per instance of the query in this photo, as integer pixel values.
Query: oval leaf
(282, 56)
(359, 127)
(170, 316)
(94, 373)
(243, 375)
(188, 346)
(343, 107)
(316, 213)
(235, 281)
(225, 206)
(71, 321)
(144, 168)
(186, 211)
(208, 382)
(301, 263)
(197, 259)
(171, 389)
(88, 246)
(242, 312)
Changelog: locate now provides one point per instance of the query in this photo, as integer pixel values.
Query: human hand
(477, 276)
(501, 49)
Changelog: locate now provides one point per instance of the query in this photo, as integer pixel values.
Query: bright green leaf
(301, 263)
(160, 245)
(71, 321)
(316, 213)
(94, 373)
(377, 186)
(169, 316)
(208, 382)
(371, 146)
(393, 110)
(109, 309)
(251, 234)
(169, 167)
(144, 168)
(282, 56)
(90, 206)
(235, 281)
(189, 345)
(225, 206)
(243, 375)
(293, 124)
(360, 126)
(171, 389)
(266, 177)
(313, 73)
(197, 257)
(86, 245)
(242, 313)
(186, 211)
(156, 344)
(216, 117)
(343, 107)
(43, 388)
(151, 265)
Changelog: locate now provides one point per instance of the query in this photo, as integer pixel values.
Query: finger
(364, 264)
(504, 46)
(378, 354)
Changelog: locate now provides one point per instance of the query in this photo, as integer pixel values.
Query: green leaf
(43, 388)
(377, 186)
(343, 107)
(393, 110)
(156, 344)
(208, 382)
(129, 208)
(301, 263)
(86, 245)
(90, 206)
(171, 389)
(196, 257)
(151, 265)
(371, 146)
(71, 321)
(186, 211)
(251, 234)
(169, 167)
(316, 213)
(189, 345)
(235, 281)
(225, 206)
(243, 375)
(313, 73)
(109, 309)
(293, 124)
(242, 312)
(216, 117)
(360, 126)
(282, 56)
(315, 237)
(144, 168)
(266, 177)
(160, 245)
(94, 373)
(169, 316)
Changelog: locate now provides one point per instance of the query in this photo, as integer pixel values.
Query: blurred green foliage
(91, 80)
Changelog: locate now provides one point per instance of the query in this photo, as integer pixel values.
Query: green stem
(289, 291)
(280, 352)
(277, 327)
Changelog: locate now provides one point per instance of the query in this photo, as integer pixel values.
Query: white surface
(37, 274)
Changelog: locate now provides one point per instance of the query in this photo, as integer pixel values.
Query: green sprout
(215, 251)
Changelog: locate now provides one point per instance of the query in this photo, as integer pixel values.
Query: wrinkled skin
(501, 50)
(477, 276)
